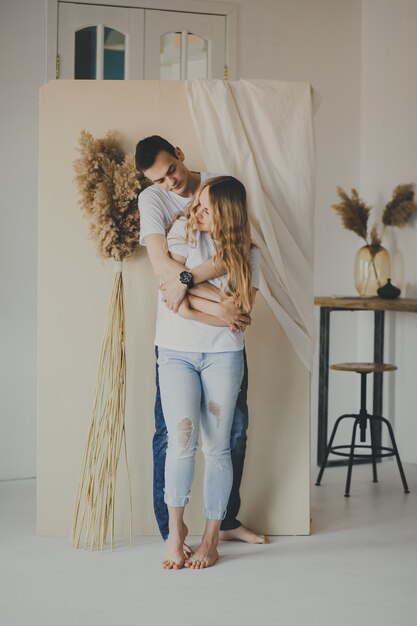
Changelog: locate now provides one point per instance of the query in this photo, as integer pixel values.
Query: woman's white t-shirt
(176, 333)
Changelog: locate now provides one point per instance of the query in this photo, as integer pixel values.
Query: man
(173, 189)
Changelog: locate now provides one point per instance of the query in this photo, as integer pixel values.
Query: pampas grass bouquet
(108, 185)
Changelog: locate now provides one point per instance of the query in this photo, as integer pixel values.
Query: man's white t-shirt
(175, 332)
(159, 208)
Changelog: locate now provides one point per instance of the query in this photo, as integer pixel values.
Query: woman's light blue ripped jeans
(199, 391)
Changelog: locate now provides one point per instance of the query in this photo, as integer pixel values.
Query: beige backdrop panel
(74, 291)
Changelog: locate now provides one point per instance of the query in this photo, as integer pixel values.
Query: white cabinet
(110, 42)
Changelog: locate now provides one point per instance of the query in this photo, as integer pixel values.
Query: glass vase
(372, 269)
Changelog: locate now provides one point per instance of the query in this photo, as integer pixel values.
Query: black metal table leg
(323, 399)
(323, 395)
(379, 319)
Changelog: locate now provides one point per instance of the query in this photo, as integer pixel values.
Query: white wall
(22, 37)
(319, 41)
(389, 157)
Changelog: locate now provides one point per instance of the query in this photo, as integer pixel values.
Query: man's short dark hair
(148, 149)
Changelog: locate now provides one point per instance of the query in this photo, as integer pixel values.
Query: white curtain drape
(261, 131)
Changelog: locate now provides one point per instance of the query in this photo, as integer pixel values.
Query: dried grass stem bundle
(94, 509)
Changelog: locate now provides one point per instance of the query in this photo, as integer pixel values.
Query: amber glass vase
(372, 269)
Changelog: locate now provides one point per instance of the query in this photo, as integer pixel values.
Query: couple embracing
(196, 230)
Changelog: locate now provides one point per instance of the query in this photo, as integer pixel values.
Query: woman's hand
(235, 318)
(184, 310)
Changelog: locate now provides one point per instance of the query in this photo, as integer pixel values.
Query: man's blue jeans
(237, 449)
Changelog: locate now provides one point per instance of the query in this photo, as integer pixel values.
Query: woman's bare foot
(187, 551)
(205, 556)
(242, 534)
(175, 558)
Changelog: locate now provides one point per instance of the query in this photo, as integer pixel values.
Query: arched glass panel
(183, 56)
(170, 65)
(197, 57)
(114, 54)
(85, 65)
(111, 51)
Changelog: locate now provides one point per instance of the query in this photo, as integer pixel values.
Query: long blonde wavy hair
(230, 234)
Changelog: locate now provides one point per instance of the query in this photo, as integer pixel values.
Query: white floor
(358, 568)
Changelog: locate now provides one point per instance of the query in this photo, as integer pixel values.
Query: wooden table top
(367, 304)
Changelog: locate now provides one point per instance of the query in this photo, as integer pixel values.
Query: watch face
(186, 278)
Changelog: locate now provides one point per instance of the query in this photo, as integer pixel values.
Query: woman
(201, 361)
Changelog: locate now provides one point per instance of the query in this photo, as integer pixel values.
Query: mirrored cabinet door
(183, 55)
(100, 42)
(181, 46)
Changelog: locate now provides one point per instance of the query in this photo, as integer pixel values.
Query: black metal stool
(361, 418)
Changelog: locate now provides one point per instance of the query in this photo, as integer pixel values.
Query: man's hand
(173, 293)
(234, 317)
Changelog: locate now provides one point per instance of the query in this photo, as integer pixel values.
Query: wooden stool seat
(364, 368)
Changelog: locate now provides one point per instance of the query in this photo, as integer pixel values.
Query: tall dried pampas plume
(353, 212)
(401, 208)
(109, 185)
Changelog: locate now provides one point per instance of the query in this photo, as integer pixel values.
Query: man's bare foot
(242, 534)
(205, 556)
(176, 557)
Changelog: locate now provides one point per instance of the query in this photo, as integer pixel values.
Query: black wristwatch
(186, 278)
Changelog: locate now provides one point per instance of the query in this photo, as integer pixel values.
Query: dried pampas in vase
(109, 186)
(355, 213)
(372, 264)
